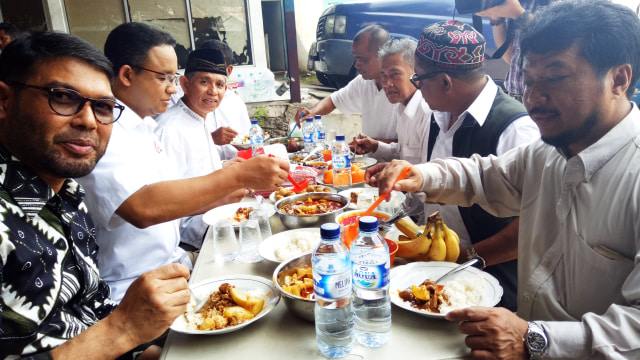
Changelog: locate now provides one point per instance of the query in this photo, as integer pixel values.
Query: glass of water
(262, 218)
(250, 238)
(225, 244)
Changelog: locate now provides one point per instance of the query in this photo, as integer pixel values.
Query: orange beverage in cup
(326, 154)
(342, 179)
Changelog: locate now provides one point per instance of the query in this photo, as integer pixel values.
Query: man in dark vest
(471, 115)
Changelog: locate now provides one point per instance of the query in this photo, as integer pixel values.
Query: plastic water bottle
(310, 135)
(319, 125)
(257, 137)
(371, 302)
(340, 158)
(331, 268)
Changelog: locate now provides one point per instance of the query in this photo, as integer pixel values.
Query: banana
(438, 249)
(416, 247)
(452, 242)
(408, 227)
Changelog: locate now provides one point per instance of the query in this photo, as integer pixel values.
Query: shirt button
(547, 262)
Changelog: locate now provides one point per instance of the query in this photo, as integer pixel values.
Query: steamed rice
(462, 293)
(298, 243)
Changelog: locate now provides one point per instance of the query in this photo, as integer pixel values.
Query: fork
(385, 225)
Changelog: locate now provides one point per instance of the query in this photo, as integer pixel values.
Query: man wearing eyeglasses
(56, 115)
(411, 112)
(133, 193)
(471, 115)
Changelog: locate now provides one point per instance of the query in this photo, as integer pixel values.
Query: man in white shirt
(411, 113)
(132, 193)
(363, 94)
(575, 192)
(184, 133)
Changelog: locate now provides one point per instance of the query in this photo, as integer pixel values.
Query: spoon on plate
(318, 147)
(476, 261)
(403, 174)
(199, 302)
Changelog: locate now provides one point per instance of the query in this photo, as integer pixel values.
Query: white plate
(272, 196)
(268, 246)
(366, 162)
(402, 277)
(254, 285)
(247, 145)
(397, 198)
(229, 210)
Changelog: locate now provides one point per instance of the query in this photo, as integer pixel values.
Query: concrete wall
(307, 14)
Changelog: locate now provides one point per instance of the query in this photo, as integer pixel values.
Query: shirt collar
(603, 150)
(481, 106)
(192, 114)
(412, 106)
(130, 120)
(29, 191)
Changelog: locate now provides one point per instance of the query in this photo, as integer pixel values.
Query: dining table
(283, 335)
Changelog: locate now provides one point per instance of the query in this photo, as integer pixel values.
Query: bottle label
(308, 138)
(370, 276)
(257, 139)
(321, 135)
(341, 162)
(332, 286)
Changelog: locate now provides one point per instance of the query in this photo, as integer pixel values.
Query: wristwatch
(471, 253)
(535, 341)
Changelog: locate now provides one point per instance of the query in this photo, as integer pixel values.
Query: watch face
(536, 342)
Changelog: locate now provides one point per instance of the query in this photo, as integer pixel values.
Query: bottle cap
(309, 119)
(339, 137)
(254, 122)
(330, 231)
(368, 223)
(318, 117)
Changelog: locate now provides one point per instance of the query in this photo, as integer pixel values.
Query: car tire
(324, 79)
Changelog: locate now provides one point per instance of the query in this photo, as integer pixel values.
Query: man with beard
(411, 113)
(363, 94)
(575, 192)
(56, 111)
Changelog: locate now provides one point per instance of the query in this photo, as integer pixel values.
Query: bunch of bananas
(431, 242)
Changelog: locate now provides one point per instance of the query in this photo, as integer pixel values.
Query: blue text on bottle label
(332, 286)
(308, 138)
(370, 276)
(341, 162)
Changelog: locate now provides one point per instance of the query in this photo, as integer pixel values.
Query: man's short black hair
(130, 43)
(219, 45)
(19, 57)
(607, 35)
(10, 29)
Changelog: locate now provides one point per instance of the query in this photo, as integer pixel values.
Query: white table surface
(282, 335)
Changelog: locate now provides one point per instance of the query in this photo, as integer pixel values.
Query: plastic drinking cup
(225, 244)
(250, 239)
(263, 222)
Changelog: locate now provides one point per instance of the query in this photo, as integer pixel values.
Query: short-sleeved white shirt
(134, 158)
(363, 96)
(232, 113)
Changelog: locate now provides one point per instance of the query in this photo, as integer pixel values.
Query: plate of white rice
(469, 287)
(289, 244)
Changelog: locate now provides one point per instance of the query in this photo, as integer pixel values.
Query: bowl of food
(310, 210)
(294, 281)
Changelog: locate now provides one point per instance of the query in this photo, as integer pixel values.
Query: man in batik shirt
(56, 107)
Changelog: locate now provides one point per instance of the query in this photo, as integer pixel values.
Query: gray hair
(404, 46)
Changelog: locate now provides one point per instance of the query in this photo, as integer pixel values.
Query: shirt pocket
(412, 154)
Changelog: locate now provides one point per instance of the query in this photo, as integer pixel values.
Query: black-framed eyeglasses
(67, 102)
(416, 80)
(167, 79)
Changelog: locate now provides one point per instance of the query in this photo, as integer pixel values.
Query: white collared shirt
(232, 113)
(569, 208)
(413, 122)
(134, 158)
(363, 96)
(191, 151)
(520, 132)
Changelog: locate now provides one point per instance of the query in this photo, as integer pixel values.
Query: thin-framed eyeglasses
(416, 80)
(167, 79)
(68, 102)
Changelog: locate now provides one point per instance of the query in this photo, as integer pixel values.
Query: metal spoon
(199, 302)
(476, 261)
(318, 147)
